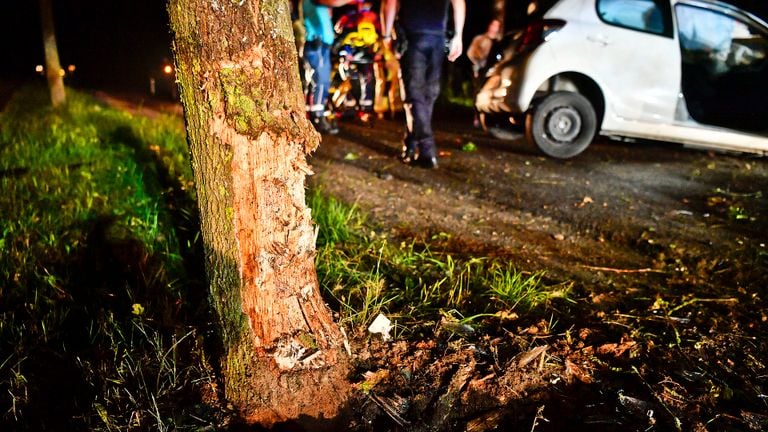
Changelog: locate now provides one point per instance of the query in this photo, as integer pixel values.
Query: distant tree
(249, 137)
(53, 70)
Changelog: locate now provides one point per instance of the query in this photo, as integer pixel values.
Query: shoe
(427, 162)
(322, 125)
(408, 155)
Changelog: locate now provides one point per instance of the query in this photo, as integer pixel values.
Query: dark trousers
(421, 65)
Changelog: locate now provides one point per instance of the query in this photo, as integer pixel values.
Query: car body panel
(656, 72)
(640, 85)
(692, 135)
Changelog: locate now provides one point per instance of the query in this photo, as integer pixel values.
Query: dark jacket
(423, 16)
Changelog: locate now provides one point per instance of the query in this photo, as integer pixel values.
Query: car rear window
(650, 16)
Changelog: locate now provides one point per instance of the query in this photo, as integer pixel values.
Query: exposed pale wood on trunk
(249, 138)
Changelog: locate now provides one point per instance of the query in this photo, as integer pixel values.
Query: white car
(686, 71)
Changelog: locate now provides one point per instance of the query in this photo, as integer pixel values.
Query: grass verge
(102, 309)
(367, 274)
(97, 309)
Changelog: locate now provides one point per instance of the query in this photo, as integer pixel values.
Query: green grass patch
(95, 313)
(366, 274)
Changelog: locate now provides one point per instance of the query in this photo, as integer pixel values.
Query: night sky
(118, 44)
(113, 43)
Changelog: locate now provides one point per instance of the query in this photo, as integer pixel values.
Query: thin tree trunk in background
(53, 71)
(249, 137)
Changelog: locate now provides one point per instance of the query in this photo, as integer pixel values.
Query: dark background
(119, 44)
(112, 43)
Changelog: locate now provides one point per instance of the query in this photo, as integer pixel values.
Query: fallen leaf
(481, 382)
(532, 355)
(507, 315)
(456, 327)
(617, 350)
(373, 378)
(426, 345)
(584, 201)
(572, 370)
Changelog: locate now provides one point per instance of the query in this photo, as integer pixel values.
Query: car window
(724, 73)
(719, 40)
(651, 16)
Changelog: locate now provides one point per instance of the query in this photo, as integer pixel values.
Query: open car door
(724, 56)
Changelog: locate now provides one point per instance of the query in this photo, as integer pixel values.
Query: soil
(664, 248)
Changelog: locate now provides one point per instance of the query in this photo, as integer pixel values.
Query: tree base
(307, 399)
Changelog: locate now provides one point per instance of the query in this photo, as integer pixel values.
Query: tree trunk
(249, 137)
(53, 71)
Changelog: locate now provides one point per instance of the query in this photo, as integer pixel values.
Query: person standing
(423, 26)
(481, 46)
(318, 24)
(478, 52)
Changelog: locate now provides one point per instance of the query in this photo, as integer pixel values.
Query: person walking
(423, 26)
(318, 24)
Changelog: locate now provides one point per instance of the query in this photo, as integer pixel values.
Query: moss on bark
(249, 138)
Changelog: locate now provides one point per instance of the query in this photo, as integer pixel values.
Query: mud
(666, 250)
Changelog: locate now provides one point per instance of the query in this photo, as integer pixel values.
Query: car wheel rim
(564, 124)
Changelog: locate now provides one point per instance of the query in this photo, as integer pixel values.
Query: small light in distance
(168, 69)
(71, 68)
(39, 68)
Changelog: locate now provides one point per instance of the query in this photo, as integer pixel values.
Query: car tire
(561, 124)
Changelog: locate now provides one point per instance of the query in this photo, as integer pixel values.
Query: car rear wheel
(561, 124)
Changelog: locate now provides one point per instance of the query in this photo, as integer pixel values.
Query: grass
(96, 324)
(103, 314)
(366, 274)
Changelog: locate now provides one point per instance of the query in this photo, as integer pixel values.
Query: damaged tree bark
(249, 137)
